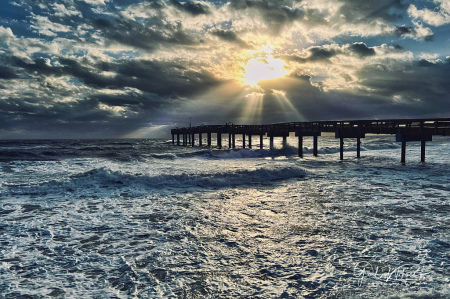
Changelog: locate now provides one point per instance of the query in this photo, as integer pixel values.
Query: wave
(104, 178)
(292, 150)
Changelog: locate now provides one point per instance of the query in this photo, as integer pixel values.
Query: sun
(263, 68)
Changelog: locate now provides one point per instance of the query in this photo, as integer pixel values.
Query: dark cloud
(229, 36)
(424, 63)
(421, 88)
(39, 65)
(362, 50)
(321, 54)
(402, 30)
(316, 54)
(361, 11)
(7, 73)
(429, 38)
(166, 79)
(279, 13)
(144, 35)
(64, 120)
(190, 7)
(226, 35)
(284, 15)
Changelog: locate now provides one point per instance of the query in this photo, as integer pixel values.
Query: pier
(406, 130)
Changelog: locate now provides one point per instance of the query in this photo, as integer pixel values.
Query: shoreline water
(154, 221)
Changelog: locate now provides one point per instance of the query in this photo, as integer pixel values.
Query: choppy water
(145, 219)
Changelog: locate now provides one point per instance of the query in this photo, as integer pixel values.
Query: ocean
(141, 218)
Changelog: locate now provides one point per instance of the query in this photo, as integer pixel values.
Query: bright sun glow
(263, 68)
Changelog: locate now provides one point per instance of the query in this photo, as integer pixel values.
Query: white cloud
(61, 10)
(5, 34)
(96, 2)
(429, 56)
(44, 26)
(436, 18)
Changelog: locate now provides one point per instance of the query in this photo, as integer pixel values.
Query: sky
(134, 68)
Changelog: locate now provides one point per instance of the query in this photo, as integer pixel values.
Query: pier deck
(406, 130)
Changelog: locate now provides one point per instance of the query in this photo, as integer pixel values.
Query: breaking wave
(101, 178)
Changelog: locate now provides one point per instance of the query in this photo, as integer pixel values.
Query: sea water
(140, 218)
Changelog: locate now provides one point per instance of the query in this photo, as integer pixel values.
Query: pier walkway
(406, 130)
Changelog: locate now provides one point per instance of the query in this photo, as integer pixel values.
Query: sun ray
(253, 107)
(286, 104)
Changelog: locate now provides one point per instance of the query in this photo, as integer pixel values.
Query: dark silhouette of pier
(406, 130)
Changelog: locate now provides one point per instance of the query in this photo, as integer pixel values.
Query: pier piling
(219, 140)
(315, 145)
(422, 151)
(358, 147)
(300, 146)
(261, 138)
(243, 140)
(193, 140)
(200, 141)
(271, 142)
(284, 142)
(229, 140)
(234, 140)
(178, 139)
(341, 148)
(250, 141)
(209, 139)
(403, 159)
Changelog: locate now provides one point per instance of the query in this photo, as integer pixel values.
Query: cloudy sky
(136, 68)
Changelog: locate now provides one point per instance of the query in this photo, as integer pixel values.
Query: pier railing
(406, 130)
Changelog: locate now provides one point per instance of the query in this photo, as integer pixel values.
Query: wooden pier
(406, 130)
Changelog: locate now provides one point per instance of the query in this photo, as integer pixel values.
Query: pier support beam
(178, 138)
(243, 140)
(403, 159)
(189, 138)
(315, 146)
(284, 141)
(422, 151)
(341, 148)
(358, 147)
(229, 140)
(300, 146)
(234, 140)
(200, 141)
(271, 142)
(173, 139)
(261, 137)
(219, 140)
(407, 136)
(193, 140)
(209, 139)
(249, 141)
(184, 140)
